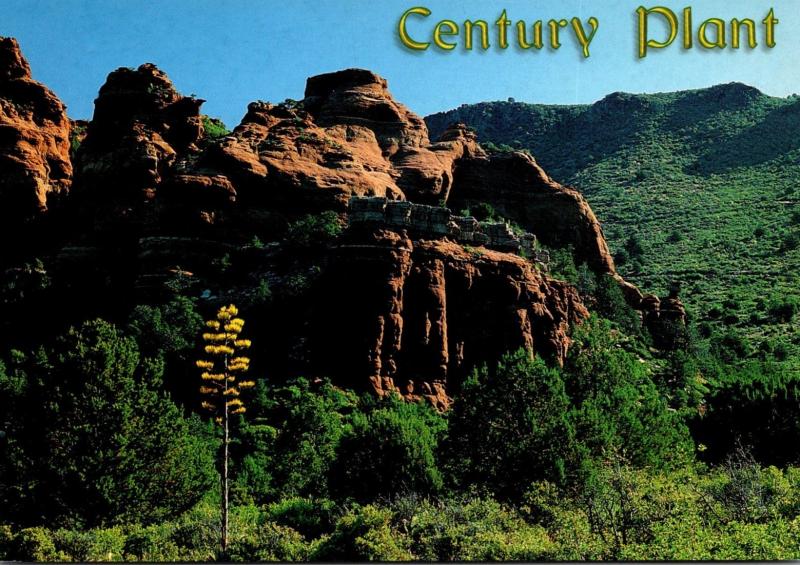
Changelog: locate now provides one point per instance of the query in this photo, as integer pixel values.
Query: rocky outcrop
(421, 314)
(349, 137)
(360, 97)
(140, 128)
(35, 164)
(665, 319)
(437, 222)
(519, 189)
(408, 304)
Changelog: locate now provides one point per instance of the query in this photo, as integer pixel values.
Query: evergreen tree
(509, 426)
(95, 441)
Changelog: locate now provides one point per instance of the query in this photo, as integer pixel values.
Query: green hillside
(699, 187)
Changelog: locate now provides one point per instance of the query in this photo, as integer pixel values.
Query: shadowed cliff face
(387, 312)
(416, 314)
(140, 128)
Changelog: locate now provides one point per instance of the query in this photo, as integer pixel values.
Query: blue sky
(231, 52)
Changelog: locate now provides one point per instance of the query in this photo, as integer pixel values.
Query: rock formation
(34, 141)
(393, 308)
(140, 128)
(422, 221)
(416, 316)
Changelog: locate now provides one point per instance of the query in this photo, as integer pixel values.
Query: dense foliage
(91, 440)
(534, 461)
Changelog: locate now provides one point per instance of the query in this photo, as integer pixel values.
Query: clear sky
(231, 52)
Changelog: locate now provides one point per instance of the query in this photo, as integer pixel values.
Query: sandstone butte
(388, 313)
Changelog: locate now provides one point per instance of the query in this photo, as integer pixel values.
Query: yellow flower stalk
(222, 371)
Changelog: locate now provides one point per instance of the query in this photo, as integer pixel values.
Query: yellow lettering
(581, 34)
(522, 37)
(736, 27)
(502, 24)
(401, 28)
(469, 26)
(702, 37)
(644, 42)
(687, 28)
(769, 25)
(439, 31)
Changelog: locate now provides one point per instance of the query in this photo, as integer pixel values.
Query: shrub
(509, 426)
(310, 424)
(388, 451)
(166, 328)
(474, 530)
(214, 128)
(34, 544)
(483, 212)
(783, 308)
(152, 543)
(611, 304)
(314, 230)
(363, 534)
(693, 540)
(197, 531)
(675, 236)
(615, 404)
(623, 505)
(252, 472)
(76, 134)
(312, 518)
(269, 542)
(755, 405)
(634, 247)
(93, 545)
(562, 264)
(93, 427)
(6, 541)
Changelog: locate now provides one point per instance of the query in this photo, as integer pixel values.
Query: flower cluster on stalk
(225, 364)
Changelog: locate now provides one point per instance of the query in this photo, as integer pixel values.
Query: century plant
(222, 371)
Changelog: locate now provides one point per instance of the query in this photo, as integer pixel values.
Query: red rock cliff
(388, 312)
(416, 316)
(34, 140)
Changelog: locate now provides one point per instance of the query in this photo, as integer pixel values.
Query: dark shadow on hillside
(773, 137)
(691, 107)
(589, 133)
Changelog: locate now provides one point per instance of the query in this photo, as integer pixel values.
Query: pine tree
(222, 386)
(92, 440)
